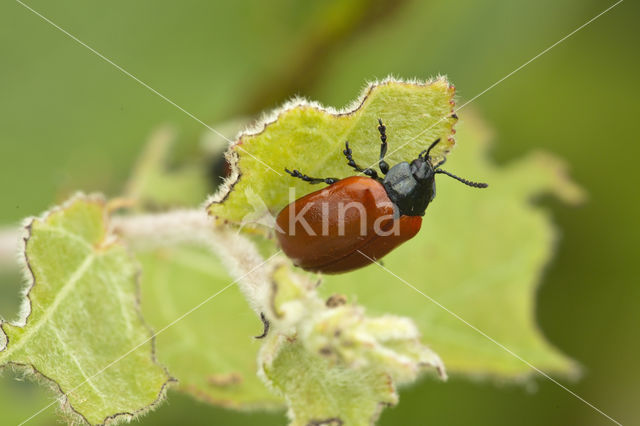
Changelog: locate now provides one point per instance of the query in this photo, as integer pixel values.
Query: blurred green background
(70, 121)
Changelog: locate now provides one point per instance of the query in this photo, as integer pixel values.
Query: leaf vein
(66, 233)
(87, 378)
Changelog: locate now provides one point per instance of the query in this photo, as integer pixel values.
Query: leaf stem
(238, 254)
(147, 231)
(150, 231)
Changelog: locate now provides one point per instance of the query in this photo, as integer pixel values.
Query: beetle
(357, 220)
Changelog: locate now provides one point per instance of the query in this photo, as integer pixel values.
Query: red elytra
(359, 219)
(326, 231)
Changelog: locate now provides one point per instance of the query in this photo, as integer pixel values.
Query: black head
(421, 169)
(412, 186)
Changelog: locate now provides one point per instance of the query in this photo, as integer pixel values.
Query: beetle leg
(347, 153)
(297, 174)
(384, 167)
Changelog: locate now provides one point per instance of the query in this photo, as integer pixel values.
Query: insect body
(359, 219)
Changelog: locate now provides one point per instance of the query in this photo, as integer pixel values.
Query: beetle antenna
(466, 182)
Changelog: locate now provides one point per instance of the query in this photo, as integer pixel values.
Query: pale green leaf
(321, 392)
(81, 315)
(20, 399)
(332, 363)
(211, 351)
(155, 183)
(309, 138)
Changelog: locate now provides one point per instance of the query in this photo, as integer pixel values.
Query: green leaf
(81, 316)
(20, 399)
(307, 137)
(211, 351)
(331, 362)
(153, 183)
(319, 392)
(480, 253)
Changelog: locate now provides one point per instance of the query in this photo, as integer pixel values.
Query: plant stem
(149, 231)
(238, 254)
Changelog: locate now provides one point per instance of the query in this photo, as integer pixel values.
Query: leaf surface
(212, 351)
(332, 363)
(319, 392)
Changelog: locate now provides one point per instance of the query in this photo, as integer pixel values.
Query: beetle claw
(266, 324)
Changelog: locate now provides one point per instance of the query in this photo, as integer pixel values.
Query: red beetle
(359, 219)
